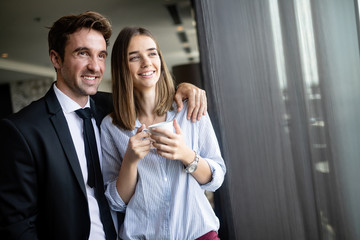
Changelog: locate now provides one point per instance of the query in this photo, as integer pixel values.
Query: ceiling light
(4, 55)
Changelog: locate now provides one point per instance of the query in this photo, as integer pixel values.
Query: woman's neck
(147, 114)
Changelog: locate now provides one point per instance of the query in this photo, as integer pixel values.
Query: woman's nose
(146, 61)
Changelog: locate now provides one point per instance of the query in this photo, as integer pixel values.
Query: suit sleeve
(18, 185)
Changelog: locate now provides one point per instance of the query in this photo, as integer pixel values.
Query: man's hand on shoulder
(197, 101)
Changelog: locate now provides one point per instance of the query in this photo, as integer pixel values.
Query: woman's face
(144, 62)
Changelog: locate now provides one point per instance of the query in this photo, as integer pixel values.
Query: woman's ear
(55, 59)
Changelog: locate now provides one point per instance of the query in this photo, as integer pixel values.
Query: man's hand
(196, 100)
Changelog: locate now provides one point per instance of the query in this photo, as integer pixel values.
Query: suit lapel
(61, 127)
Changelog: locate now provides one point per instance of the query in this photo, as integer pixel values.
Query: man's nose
(94, 64)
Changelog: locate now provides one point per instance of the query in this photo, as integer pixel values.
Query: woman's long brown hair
(125, 101)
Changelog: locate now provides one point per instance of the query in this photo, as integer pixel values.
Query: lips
(146, 74)
(89, 77)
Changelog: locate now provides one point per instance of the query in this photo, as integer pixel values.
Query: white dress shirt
(75, 124)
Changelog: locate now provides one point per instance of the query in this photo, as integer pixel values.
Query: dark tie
(95, 179)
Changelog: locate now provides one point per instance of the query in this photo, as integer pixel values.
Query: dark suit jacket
(42, 191)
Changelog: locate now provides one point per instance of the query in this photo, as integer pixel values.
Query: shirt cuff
(115, 201)
(217, 176)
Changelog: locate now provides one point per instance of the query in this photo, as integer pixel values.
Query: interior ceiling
(23, 31)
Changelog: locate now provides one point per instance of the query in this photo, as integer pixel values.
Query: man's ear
(55, 59)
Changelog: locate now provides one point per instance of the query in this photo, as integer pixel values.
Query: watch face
(192, 168)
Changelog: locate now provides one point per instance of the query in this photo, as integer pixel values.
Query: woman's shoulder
(183, 110)
(109, 126)
(175, 114)
(107, 121)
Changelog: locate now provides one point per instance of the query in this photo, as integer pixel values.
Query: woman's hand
(138, 146)
(197, 101)
(172, 145)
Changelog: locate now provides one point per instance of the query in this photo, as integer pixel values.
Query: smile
(147, 73)
(89, 78)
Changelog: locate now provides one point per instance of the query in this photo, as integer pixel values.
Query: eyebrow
(87, 49)
(135, 52)
(81, 49)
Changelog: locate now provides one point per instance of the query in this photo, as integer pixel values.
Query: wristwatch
(193, 166)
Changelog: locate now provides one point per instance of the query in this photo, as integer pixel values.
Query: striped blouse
(168, 203)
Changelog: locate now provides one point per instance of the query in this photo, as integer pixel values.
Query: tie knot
(84, 113)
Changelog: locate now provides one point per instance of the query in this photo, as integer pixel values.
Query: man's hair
(125, 100)
(62, 28)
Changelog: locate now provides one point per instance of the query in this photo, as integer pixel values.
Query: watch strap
(193, 165)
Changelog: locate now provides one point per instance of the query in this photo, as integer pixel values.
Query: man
(44, 190)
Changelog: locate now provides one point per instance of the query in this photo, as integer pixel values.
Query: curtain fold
(281, 78)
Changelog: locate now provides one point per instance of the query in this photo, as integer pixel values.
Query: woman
(162, 190)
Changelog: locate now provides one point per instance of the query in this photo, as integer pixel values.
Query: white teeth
(147, 73)
(89, 78)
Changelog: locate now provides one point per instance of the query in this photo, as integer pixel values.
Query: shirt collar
(169, 116)
(67, 104)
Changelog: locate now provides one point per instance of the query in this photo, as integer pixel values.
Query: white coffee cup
(164, 125)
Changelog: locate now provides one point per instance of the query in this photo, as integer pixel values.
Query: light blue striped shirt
(168, 203)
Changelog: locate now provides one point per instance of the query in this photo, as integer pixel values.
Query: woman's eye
(153, 54)
(134, 58)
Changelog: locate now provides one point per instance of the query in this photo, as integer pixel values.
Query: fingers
(139, 141)
(178, 101)
(191, 104)
(140, 129)
(165, 154)
(203, 105)
(197, 104)
(177, 127)
(141, 136)
(139, 145)
(164, 140)
(167, 151)
(161, 131)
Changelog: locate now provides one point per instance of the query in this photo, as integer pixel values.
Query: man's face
(82, 69)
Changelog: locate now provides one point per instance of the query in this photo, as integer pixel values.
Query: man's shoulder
(32, 110)
(102, 96)
(104, 103)
(103, 99)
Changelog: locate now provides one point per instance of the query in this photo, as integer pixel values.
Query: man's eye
(102, 55)
(82, 53)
